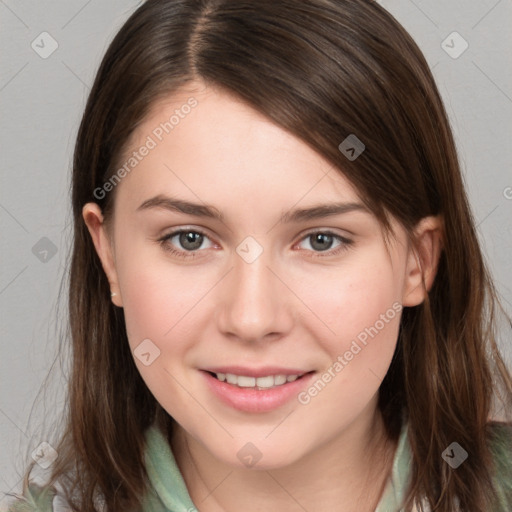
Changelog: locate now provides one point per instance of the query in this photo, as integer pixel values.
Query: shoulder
(500, 445)
(40, 498)
(34, 499)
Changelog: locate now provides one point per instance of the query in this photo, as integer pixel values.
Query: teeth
(265, 382)
(243, 381)
(279, 379)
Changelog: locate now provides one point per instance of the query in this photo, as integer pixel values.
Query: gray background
(41, 101)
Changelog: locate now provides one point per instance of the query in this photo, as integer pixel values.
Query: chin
(256, 456)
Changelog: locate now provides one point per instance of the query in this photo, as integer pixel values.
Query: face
(255, 281)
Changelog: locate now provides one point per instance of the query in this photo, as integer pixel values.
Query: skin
(294, 306)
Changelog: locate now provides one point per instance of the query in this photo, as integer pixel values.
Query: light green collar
(170, 494)
(165, 477)
(396, 487)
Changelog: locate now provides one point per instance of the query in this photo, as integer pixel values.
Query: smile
(266, 390)
(266, 382)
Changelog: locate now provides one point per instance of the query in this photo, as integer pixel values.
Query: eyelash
(164, 242)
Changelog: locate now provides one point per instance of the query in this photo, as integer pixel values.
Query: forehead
(208, 140)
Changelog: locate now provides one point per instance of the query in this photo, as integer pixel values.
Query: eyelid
(326, 231)
(185, 227)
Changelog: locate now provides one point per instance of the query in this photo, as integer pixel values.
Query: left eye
(321, 241)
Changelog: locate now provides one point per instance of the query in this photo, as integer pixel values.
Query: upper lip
(256, 372)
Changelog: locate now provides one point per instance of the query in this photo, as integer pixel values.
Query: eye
(187, 243)
(323, 241)
(184, 243)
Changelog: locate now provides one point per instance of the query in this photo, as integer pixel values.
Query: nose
(254, 304)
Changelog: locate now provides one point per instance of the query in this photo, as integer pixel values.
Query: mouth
(259, 383)
(263, 391)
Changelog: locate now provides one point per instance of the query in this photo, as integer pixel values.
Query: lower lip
(254, 400)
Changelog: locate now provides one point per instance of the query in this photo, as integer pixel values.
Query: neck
(345, 474)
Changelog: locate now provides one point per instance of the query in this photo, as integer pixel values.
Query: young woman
(277, 298)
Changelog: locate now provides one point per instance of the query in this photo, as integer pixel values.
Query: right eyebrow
(181, 206)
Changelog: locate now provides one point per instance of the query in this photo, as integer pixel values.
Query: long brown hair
(321, 69)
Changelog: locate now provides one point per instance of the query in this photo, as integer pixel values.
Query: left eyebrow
(321, 211)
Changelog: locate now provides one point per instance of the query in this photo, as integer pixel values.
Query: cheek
(158, 302)
(359, 307)
(360, 304)
(158, 296)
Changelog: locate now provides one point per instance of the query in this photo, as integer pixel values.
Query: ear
(93, 218)
(422, 260)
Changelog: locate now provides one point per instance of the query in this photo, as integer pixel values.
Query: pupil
(191, 240)
(321, 241)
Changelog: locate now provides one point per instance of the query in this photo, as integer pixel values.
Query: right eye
(190, 240)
